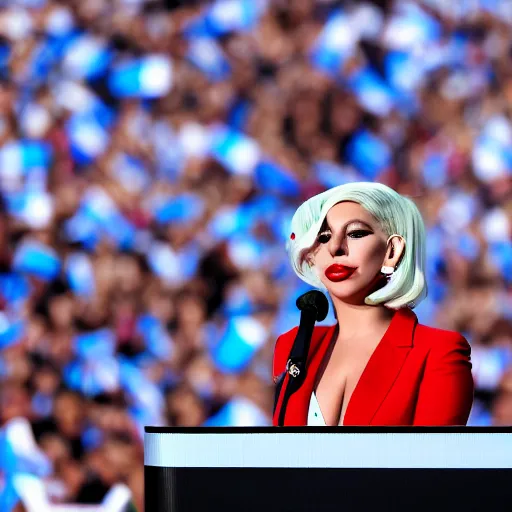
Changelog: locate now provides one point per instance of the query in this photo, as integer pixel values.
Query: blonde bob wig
(396, 214)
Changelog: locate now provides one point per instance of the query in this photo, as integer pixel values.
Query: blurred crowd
(151, 157)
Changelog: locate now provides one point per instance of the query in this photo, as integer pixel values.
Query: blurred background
(152, 154)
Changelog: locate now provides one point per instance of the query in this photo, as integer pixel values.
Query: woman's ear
(395, 251)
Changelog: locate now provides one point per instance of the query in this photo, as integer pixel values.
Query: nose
(337, 246)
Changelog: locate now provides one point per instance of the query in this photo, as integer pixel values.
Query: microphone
(313, 306)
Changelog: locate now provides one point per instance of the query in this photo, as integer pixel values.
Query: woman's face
(350, 237)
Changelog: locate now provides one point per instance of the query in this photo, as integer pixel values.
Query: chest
(338, 377)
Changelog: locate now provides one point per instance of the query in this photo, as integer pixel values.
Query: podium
(327, 469)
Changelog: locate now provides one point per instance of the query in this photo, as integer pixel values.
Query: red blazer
(417, 375)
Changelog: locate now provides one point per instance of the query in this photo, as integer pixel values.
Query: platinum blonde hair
(396, 214)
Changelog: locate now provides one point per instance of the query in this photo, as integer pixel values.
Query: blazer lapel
(382, 369)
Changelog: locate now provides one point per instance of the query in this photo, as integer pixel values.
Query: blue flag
(208, 56)
(242, 338)
(148, 77)
(35, 208)
(179, 209)
(80, 274)
(239, 412)
(238, 153)
(93, 376)
(372, 92)
(229, 221)
(87, 136)
(369, 154)
(144, 393)
(225, 16)
(86, 56)
(11, 331)
(95, 344)
(157, 340)
(336, 43)
(17, 158)
(273, 178)
(35, 258)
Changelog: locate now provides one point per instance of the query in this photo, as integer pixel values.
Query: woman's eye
(359, 233)
(324, 237)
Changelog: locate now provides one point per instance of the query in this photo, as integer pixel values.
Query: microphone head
(316, 300)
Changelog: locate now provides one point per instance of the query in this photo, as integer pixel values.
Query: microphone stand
(311, 311)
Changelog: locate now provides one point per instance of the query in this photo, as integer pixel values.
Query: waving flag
(230, 220)
(492, 156)
(95, 344)
(88, 138)
(238, 302)
(247, 252)
(19, 157)
(32, 492)
(93, 376)
(239, 412)
(131, 173)
(238, 153)
(147, 77)
(79, 99)
(100, 213)
(20, 452)
(87, 57)
(144, 393)
(404, 71)
(14, 288)
(501, 256)
(11, 330)
(179, 209)
(372, 92)
(242, 338)
(165, 263)
(19, 455)
(336, 43)
(225, 16)
(157, 340)
(272, 178)
(368, 153)
(81, 228)
(60, 22)
(35, 258)
(80, 274)
(35, 208)
(208, 56)
(411, 27)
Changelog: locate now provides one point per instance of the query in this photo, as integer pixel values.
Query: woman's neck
(356, 321)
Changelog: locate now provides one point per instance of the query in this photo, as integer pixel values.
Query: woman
(365, 245)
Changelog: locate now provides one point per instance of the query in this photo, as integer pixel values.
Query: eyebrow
(351, 221)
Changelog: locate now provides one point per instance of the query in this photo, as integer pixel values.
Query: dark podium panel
(328, 469)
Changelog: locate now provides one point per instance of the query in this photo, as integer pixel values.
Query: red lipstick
(338, 272)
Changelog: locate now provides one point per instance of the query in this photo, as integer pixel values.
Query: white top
(315, 417)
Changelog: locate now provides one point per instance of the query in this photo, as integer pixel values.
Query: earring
(387, 270)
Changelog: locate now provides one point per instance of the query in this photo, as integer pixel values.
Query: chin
(348, 292)
(343, 290)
